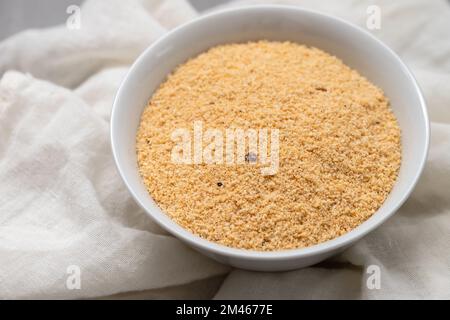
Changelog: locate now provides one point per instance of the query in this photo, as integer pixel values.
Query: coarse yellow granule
(339, 155)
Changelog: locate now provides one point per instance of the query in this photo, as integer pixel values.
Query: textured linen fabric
(63, 204)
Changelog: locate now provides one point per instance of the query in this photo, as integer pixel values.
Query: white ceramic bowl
(356, 47)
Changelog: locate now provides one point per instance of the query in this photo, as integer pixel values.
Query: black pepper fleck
(250, 157)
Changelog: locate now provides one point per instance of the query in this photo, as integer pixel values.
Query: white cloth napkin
(65, 213)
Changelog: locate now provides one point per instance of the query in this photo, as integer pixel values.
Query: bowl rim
(331, 245)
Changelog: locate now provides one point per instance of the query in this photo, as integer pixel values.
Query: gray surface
(17, 15)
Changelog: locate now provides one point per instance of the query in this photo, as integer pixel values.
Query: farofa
(339, 155)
